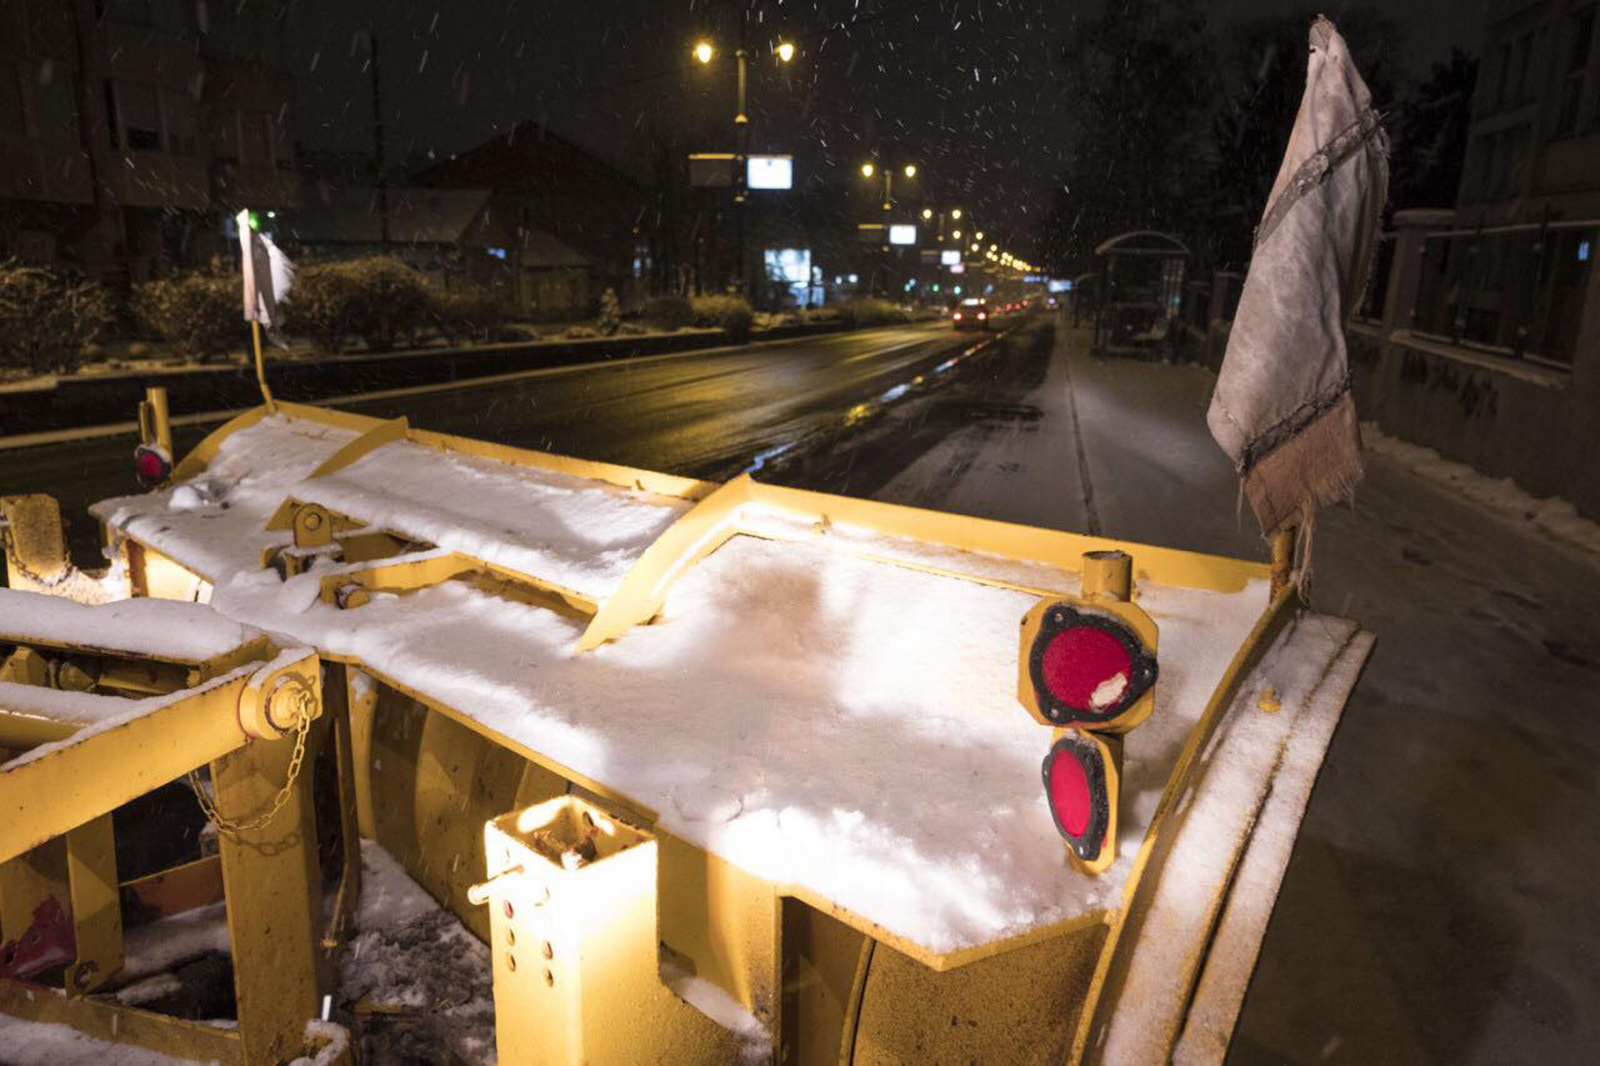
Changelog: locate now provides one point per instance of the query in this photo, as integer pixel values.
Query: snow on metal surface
(818, 719)
(214, 522)
(53, 1044)
(816, 715)
(156, 628)
(574, 532)
(60, 705)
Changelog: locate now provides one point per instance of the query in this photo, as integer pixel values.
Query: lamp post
(705, 52)
(868, 170)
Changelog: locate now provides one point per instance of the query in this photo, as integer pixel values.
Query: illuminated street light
(974, 248)
(956, 214)
(911, 170)
(867, 170)
(994, 247)
(927, 213)
(957, 235)
(785, 51)
(979, 235)
(703, 51)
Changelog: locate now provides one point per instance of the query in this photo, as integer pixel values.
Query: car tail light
(1082, 777)
(151, 464)
(958, 314)
(1090, 669)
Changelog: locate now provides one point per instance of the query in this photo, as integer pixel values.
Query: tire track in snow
(1090, 513)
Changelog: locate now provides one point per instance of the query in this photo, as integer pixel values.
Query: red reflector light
(1079, 786)
(151, 465)
(1087, 668)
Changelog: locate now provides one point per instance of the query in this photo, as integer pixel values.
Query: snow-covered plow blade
(730, 770)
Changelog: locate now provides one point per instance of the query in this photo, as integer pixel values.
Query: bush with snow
(668, 312)
(727, 313)
(200, 314)
(466, 312)
(871, 312)
(46, 319)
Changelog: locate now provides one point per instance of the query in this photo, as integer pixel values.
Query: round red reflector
(149, 466)
(1069, 796)
(1087, 668)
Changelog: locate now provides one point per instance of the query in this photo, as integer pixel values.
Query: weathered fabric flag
(268, 277)
(1282, 409)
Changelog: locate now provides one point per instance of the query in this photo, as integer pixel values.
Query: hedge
(46, 319)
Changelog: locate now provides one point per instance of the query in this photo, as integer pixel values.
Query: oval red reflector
(1087, 668)
(1069, 792)
(149, 466)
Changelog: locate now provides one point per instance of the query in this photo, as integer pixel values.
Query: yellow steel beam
(96, 906)
(697, 533)
(44, 794)
(380, 433)
(274, 899)
(113, 1023)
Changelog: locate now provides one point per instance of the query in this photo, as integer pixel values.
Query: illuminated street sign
(770, 171)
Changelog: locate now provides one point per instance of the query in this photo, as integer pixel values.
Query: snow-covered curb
(1553, 516)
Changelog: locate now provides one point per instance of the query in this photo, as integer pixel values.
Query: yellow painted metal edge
(696, 534)
(384, 432)
(1008, 540)
(201, 454)
(113, 1023)
(626, 804)
(627, 477)
(1157, 844)
(940, 961)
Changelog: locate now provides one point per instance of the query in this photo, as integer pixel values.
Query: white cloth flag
(1282, 408)
(268, 277)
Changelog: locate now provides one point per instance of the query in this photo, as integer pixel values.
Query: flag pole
(261, 368)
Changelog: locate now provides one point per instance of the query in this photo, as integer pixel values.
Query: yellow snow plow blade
(736, 769)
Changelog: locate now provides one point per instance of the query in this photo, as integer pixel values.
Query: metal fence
(1514, 290)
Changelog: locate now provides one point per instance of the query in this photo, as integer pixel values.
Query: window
(178, 109)
(1580, 32)
(13, 119)
(133, 116)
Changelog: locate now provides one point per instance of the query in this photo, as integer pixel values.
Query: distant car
(971, 313)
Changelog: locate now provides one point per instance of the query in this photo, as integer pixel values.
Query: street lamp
(911, 170)
(927, 213)
(867, 170)
(956, 214)
(704, 52)
(978, 235)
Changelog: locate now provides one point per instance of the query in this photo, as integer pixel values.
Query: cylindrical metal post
(159, 431)
(1107, 575)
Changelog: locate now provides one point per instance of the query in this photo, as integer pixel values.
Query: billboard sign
(792, 265)
(770, 171)
(711, 170)
(902, 234)
(950, 257)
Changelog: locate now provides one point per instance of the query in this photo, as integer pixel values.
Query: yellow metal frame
(736, 926)
(65, 793)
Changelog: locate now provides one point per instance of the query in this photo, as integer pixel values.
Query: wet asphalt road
(700, 414)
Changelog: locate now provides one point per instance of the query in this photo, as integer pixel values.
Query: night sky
(963, 88)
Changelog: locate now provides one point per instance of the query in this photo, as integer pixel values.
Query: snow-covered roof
(826, 705)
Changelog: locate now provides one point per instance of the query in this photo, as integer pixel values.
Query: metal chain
(29, 572)
(233, 828)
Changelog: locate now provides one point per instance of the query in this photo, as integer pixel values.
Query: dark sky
(961, 87)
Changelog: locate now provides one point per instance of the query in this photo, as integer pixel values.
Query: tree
(1261, 78)
(1138, 78)
(1430, 135)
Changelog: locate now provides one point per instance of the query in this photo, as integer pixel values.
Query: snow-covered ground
(1438, 907)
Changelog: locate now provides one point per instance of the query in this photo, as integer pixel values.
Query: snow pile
(412, 978)
(573, 532)
(159, 629)
(160, 946)
(1553, 516)
(214, 522)
(52, 1044)
(334, 1041)
(753, 1040)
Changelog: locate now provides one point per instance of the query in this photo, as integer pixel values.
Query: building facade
(1480, 336)
(133, 129)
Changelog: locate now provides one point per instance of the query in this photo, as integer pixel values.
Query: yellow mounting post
(155, 423)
